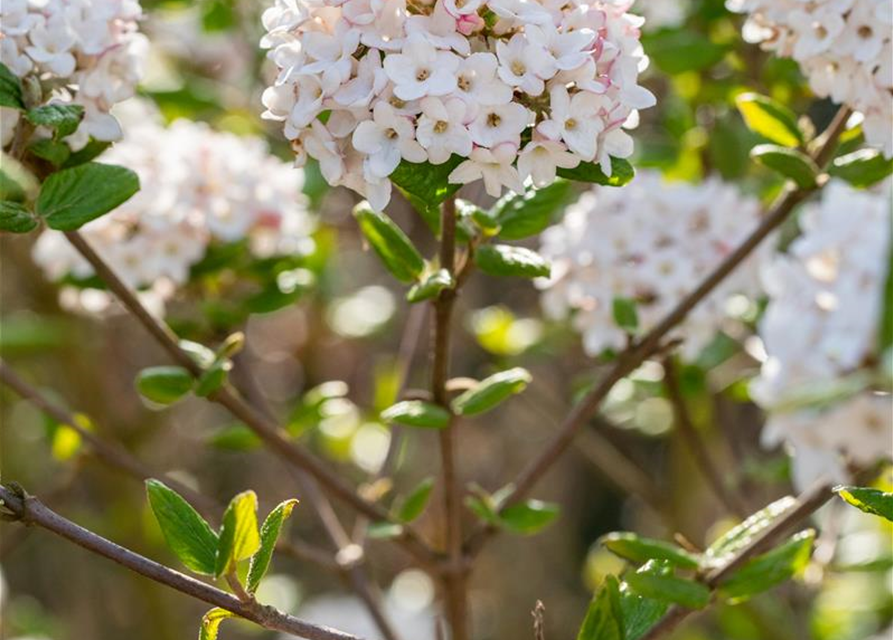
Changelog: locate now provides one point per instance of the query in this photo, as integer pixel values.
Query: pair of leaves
(166, 385)
(524, 518)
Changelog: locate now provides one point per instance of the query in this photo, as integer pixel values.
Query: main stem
(454, 573)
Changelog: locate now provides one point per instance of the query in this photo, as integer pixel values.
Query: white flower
(493, 166)
(574, 120)
(386, 139)
(476, 81)
(495, 124)
(421, 70)
(522, 65)
(560, 51)
(540, 159)
(441, 129)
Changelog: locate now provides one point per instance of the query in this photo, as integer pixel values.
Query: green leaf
(10, 89)
(631, 546)
(72, 197)
(186, 532)
(239, 539)
(639, 613)
(213, 378)
(269, 535)
(211, 623)
(492, 391)
(63, 119)
(390, 243)
(529, 517)
(521, 215)
(415, 503)
(53, 151)
(92, 150)
(431, 286)
(862, 168)
(384, 530)
(740, 536)
(669, 588)
(790, 163)
(621, 173)
(483, 219)
(164, 385)
(873, 501)
(885, 325)
(417, 413)
(770, 119)
(235, 437)
(679, 51)
(604, 618)
(770, 569)
(426, 186)
(626, 315)
(16, 218)
(506, 260)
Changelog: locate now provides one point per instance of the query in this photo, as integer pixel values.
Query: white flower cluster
(843, 47)
(825, 302)
(516, 88)
(88, 52)
(197, 186)
(651, 242)
(663, 14)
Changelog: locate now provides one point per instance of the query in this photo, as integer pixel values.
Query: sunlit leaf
(417, 413)
(492, 391)
(186, 532)
(635, 548)
(873, 501)
(770, 569)
(269, 535)
(72, 197)
(239, 537)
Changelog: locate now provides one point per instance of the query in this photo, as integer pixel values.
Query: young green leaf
(483, 219)
(72, 197)
(770, 119)
(414, 504)
(63, 119)
(862, 168)
(269, 534)
(384, 530)
(604, 618)
(873, 501)
(669, 588)
(426, 186)
(492, 391)
(770, 569)
(431, 286)
(740, 536)
(640, 613)
(239, 538)
(416, 413)
(390, 243)
(790, 163)
(529, 517)
(10, 89)
(164, 385)
(211, 623)
(631, 546)
(186, 532)
(213, 378)
(506, 260)
(521, 215)
(16, 218)
(626, 315)
(622, 172)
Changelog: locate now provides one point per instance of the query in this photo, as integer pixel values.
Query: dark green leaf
(55, 152)
(390, 243)
(10, 89)
(668, 588)
(63, 119)
(873, 501)
(680, 51)
(426, 186)
(640, 614)
(740, 536)
(415, 503)
(92, 150)
(529, 517)
(621, 173)
(211, 623)
(186, 532)
(520, 215)
(640, 550)
(626, 315)
(790, 163)
(490, 392)
(506, 260)
(269, 534)
(164, 385)
(72, 197)
(416, 413)
(770, 569)
(239, 538)
(604, 618)
(770, 119)
(862, 168)
(16, 218)
(431, 286)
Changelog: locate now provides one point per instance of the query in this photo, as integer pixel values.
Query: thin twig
(31, 511)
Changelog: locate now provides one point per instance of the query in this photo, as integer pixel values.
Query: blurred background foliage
(323, 331)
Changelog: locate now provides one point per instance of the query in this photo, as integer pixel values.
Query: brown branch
(32, 512)
(807, 504)
(268, 431)
(695, 444)
(652, 343)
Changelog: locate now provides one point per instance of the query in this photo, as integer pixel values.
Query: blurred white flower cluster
(663, 14)
(821, 324)
(843, 47)
(197, 186)
(517, 88)
(86, 52)
(651, 242)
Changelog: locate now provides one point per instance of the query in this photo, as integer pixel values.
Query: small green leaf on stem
(239, 538)
(528, 517)
(626, 315)
(740, 536)
(631, 546)
(417, 413)
(16, 218)
(770, 119)
(390, 243)
(873, 501)
(622, 172)
(492, 391)
(269, 535)
(187, 534)
(506, 260)
(414, 504)
(521, 215)
(604, 618)
(669, 588)
(770, 569)
(164, 385)
(431, 286)
(73, 197)
(862, 168)
(63, 119)
(790, 163)
(211, 623)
